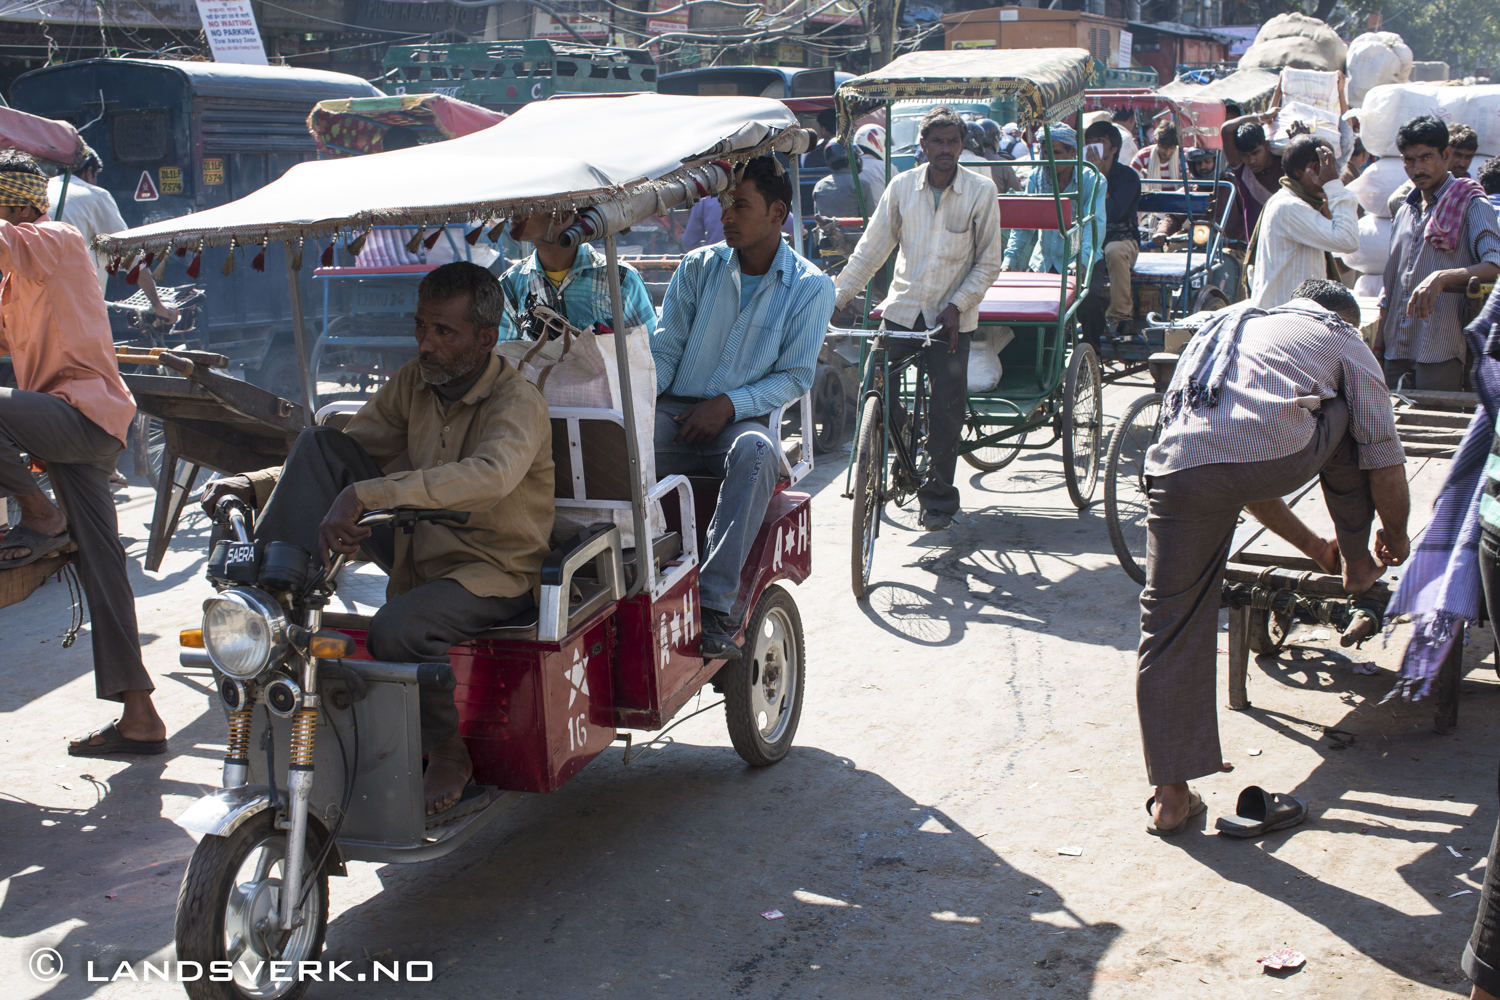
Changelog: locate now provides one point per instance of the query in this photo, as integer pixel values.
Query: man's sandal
(114, 743)
(1195, 806)
(41, 546)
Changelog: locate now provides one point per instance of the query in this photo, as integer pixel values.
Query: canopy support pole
(299, 337)
(797, 234)
(62, 199)
(645, 568)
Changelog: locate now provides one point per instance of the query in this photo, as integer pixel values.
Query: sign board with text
(229, 26)
(1122, 57)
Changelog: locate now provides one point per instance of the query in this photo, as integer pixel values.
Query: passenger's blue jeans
(744, 453)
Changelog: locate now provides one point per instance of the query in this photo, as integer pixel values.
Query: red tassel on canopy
(150, 258)
(181, 251)
(197, 262)
(327, 259)
(135, 274)
(431, 241)
(473, 237)
(113, 267)
(259, 263)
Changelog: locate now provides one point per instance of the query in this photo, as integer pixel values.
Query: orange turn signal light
(330, 646)
(191, 638)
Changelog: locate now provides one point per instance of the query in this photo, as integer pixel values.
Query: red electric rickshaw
(324, 762)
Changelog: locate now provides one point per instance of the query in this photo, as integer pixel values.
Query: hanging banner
(589, 20)
(1122, 53)
(232, 33)
(663, 23)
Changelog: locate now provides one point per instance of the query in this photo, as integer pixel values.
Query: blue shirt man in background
(740, 331)
(572, 281)
(1045, 250)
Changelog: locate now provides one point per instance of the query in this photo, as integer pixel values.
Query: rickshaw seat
(1167, 265)
(1033, 212)
(1025, 297)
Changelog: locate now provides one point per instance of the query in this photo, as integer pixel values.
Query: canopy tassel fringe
(228, 267)
(358, 243)
(134, 276)
(327, 259)
(113, 267)
(416, 239)
(472, 237)
(494, 234)
(296, 254)
(160, 274)
(431, 241)
(197, 263)
(259, 263)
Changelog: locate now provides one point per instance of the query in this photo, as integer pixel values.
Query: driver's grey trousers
(415, 627)
(80, 457)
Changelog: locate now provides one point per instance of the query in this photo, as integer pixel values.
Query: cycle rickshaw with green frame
(1049, 388)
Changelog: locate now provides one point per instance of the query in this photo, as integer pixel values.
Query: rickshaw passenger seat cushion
(1024, 297)
(1173, 203)
(1167, 265)
(1033, 213)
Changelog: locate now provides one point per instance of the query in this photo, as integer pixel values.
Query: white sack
(1376, 58)
(985, 346)
(1312, 98)
(1386, 109)
(1374, 187)
(1374, 246)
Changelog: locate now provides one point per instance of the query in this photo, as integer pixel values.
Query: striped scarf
(1441, 588)
(17, 188)
(1446, 220)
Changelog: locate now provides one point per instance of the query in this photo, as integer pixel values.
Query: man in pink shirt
(71, 410)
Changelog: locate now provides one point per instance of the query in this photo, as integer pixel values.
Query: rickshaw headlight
(244, 629)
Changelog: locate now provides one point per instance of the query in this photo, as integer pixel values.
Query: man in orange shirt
(71, 410)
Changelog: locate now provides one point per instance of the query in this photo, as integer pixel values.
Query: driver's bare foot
(1327, 556)
(448, 771)
(1360, 574)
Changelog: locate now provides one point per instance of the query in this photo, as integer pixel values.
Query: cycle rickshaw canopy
(353, 126)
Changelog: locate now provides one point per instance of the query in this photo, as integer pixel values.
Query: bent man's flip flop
(474, 798)
(1259, 811)
(1195, 806)
(114, 743)
(41, 546)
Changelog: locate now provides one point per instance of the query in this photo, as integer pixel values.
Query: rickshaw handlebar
(406, 518)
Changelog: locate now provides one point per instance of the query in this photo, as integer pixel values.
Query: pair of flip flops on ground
(41, 546)
(1257, 812)
(114, 743)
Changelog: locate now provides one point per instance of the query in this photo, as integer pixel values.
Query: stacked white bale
(1376, 59)
(1387, 108)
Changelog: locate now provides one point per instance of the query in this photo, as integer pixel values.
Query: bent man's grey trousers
(1189, 527)
(80, 457)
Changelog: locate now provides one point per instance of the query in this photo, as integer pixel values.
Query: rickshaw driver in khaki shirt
(456, 428)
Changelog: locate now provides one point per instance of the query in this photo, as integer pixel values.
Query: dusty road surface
(965, 725)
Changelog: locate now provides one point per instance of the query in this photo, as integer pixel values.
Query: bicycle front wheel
(869, 474)
(1125, 498)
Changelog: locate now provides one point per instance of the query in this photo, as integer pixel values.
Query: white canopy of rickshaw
(633, 157)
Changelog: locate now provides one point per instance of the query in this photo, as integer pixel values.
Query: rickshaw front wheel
(1082, 424)
(763, 688)
(227, 911)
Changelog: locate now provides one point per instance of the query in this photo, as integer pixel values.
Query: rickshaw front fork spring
(237, 754)
(303, 725)
(299, 782)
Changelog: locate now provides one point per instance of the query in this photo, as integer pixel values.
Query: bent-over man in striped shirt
(1260, 403)
(741, 326)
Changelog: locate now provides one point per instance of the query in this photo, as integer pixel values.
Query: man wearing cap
(1047, 251)
(70, 409)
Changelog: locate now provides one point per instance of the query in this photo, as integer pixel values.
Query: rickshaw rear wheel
(869, 459)
(830, 409)
(1125, 505)
(1082, 424)
(228, 895)
(763, 688)
(147, 445)
(1211, 299)
(991, 458)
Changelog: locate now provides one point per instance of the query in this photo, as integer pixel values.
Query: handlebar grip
(456, 516)
(436, 676)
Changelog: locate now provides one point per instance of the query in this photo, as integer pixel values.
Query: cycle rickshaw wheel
(830, 409)
(991, 458)
(869, 470)
(1082, 421)
(1125, 505)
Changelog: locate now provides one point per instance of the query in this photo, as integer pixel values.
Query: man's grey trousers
(746, 455)
(80, 457)
(1189, 527)
(415, 627)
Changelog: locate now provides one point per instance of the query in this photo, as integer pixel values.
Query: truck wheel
(279, 374)
(227, 909)
(763, 688)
